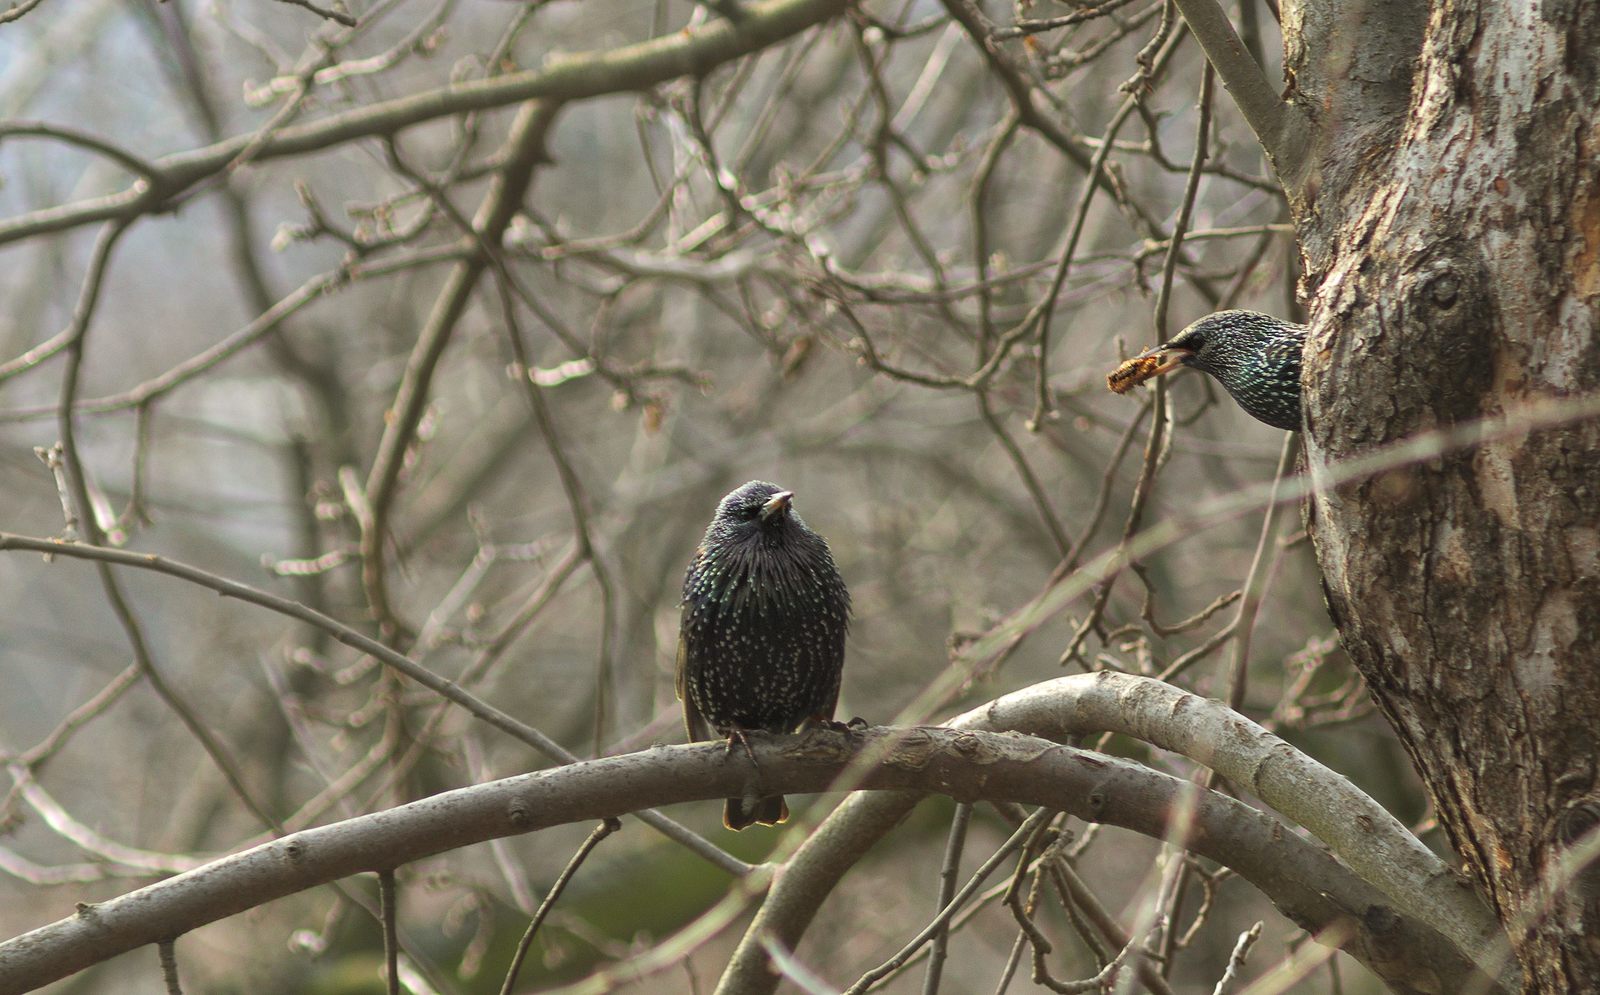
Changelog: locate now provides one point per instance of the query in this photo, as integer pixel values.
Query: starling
(1255, 357)
(761, 639)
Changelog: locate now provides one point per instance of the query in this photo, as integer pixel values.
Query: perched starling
(1255, 357)
(761, 640)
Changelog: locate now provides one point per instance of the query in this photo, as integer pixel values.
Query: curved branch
(18, 10)
(82, 139)
(1304, 881)
(1171, 718)
(1357, 829)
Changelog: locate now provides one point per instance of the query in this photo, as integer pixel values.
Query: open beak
(776, 504)
(1167, 358)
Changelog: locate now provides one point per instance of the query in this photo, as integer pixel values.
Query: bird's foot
(738, 736)
(855, 725)
(814, 722)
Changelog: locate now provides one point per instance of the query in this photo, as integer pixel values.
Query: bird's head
(1208, 343)
(758, 508)
(1190, 347)
(758, 543)
(1254, 356)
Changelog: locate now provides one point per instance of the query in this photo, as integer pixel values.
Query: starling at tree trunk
(761, 640)
(1255, 357)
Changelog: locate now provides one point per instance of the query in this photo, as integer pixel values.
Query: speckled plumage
(761, 639)
(1255, 357)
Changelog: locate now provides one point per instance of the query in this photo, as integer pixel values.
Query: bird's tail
(742, 813)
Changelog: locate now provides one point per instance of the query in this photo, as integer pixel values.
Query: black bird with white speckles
(1255, 357)
(761, 639)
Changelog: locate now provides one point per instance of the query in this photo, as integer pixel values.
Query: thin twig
(166, 950)
(327, 13)
(577, 500)
(947, 889)
(388, 913)
(144, 168)
(600, 832)
(1010, 846)
(1241, 950)
(787, 965)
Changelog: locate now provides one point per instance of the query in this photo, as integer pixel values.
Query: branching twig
(327, 13)
(1241, 950)
(947, 889)
(942, 919)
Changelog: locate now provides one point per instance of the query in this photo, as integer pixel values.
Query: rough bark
(1453, 261)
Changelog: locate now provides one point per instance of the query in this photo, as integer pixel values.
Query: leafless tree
(368, 372)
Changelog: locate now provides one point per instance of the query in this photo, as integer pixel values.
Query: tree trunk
(1451, 223)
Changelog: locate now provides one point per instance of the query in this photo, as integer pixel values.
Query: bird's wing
(831, 705)
(693, 721)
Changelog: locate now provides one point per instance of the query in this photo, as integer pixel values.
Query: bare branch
(954, 847)
(524, 150)
(72, 136)
(1300, 877)
(388, 912)
(327, 13)
(18, 10)
(1281, 128)
(168, 953)
(1359, 830)
(606, 828)
(1241, 950)
(573, 76)
(851, 830)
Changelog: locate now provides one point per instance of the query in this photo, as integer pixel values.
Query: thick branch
(1360, 832)
(1304, 881)
(1280, 127)
(1053, 709)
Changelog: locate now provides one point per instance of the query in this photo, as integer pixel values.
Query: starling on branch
(1255, 357)
(761, 639)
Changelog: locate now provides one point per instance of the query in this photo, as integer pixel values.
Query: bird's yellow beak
(775, 504)
(1167, 358)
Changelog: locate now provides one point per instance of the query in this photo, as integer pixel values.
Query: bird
(761, 637)
(1254, 356)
